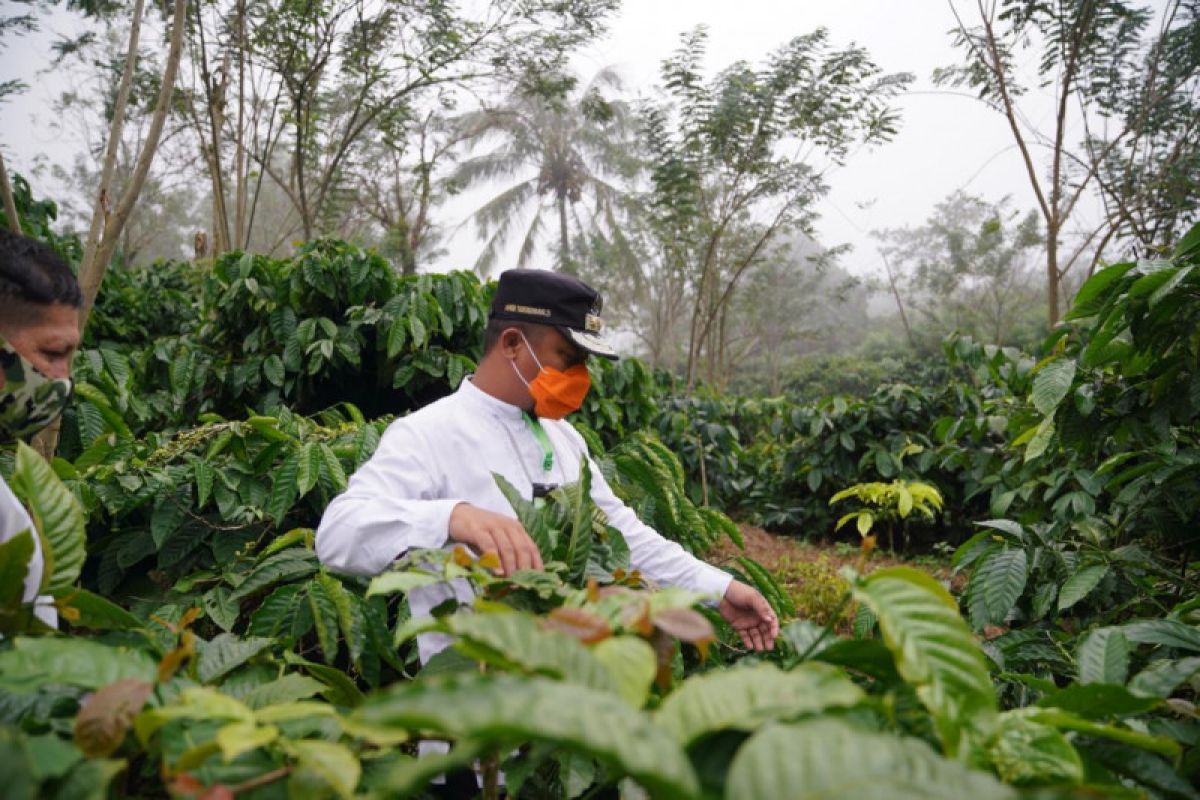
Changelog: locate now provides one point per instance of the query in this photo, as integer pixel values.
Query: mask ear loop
(536, 360)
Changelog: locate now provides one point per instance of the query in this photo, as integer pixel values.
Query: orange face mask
(556, 393)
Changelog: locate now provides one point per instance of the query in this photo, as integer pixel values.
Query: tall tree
(739, 161)
(970, 268)
(561, 149)
(1093, 56)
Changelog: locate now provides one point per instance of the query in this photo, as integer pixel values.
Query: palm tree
(562, 150)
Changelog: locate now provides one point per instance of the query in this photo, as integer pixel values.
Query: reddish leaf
(462, 557)
(664, 654)
(218, 792)
(686, 625)
(636, 617)
(106, 716)
(173, 660)
(184, 785)
(490, 560)
(583, 625)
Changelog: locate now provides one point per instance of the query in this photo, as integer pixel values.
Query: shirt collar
(473, 394)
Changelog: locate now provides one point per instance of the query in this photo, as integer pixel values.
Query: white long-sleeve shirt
(13, 520)
(445, 454)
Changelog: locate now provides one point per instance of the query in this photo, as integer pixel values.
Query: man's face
(557, 351)
(48, 338)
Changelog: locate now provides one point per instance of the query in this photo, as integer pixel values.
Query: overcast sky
(947, 140)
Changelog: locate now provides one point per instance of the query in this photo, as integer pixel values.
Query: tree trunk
(106, 227)
(1053, 277)
(10, 205)
(564, 241)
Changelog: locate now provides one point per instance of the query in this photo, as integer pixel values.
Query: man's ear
(510, 341)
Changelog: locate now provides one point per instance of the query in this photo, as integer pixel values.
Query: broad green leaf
(194, 702)
(299, 709)
(1042, 436)
(505, 710)
(351, 621)
(335, 763)
(1080, 584)
(934, 649)
(1066, 721)
(1162, 677)
(1026, 752)
(515, 641)
(225, 653)
(284, 491)
(997, 584)
(632, 665)
(15, 555)
(241, 737)
(340, 690)
(1089, 299)
(74, 661)
(1103, 656)
(286, 689)
(1167, 632)
(308, 468)
(333, 468)
(747, 698)
(829, 758)
(1051, 385)
(286, 565)
(57, 517)
(400, 582)
(1098, 700)
(325, 619)
(273, 370)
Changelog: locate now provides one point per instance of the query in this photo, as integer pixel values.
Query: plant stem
(833, 618)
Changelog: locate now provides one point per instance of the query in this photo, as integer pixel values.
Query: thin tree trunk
(899, 303)
(564, 243)
(10, 205)
(239, 160)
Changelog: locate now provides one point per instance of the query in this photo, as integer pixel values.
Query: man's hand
(750, 615)
(487, 532)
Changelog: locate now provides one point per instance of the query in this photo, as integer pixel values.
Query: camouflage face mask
(29, 399)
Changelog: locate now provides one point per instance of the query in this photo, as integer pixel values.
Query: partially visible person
(39, 334)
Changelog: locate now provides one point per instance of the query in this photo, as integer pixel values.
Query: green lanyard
(539, 433)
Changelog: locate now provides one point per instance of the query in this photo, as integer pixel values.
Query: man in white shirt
(430, 482)
(39, 333)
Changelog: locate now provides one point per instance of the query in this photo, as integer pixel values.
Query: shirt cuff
(433, 530)
(711, 580)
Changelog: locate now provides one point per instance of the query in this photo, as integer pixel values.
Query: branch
(10, 206)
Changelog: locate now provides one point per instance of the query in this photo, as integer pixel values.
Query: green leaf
(747, 698)
(934, 649)
(632, 665)
(1080, 584)
(284, 490)
(57, 517)
(1162, 677)
(335, 763)
(351, 621)
(308, 468)
(99, 613)
(1042, 436)
(1098, 700)
(325, 619)
(1089, 299)
(194, 702)
(286, 689)
(1051, 385)
(76, 662)
(286, 565)
(241, 737)
(225, 653)
(15, 555)
(829, 758)
(1167, 632)
(204, 481)
(333, 468)
(1103, 656)
(273, 370)
(400, 582)
(997, 584)
(1067, 721)
(506, 710)
(1027, 752)
(514, 640)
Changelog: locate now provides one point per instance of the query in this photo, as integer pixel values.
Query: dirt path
(810, 572)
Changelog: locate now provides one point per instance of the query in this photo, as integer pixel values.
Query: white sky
(947, 141)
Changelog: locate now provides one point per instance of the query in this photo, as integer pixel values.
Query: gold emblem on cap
(592, 323)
